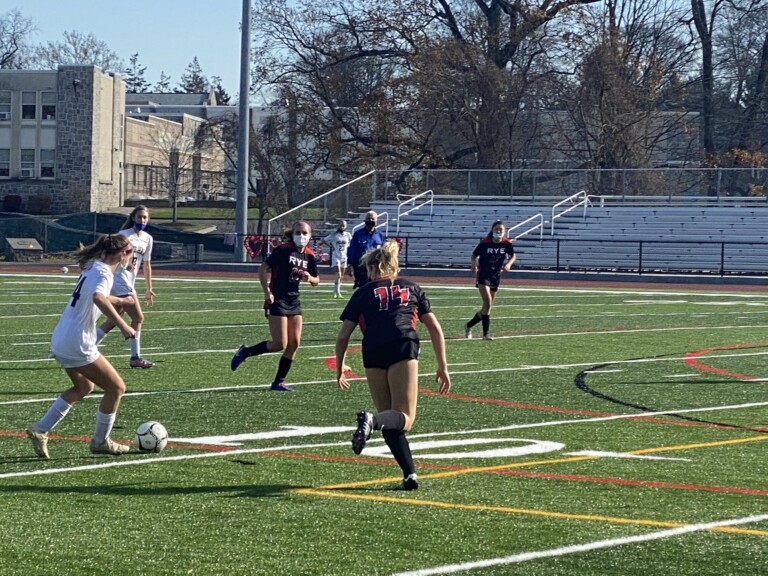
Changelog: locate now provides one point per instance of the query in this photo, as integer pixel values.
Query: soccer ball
(151, 437)
(64, 269)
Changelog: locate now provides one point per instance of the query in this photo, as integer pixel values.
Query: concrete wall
(86, 134)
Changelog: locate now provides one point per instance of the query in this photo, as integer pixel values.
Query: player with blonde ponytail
(386, 309)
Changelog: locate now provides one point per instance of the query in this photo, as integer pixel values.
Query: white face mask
(498, 235)
(300, 240)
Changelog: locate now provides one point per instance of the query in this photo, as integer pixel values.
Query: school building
(65, 139)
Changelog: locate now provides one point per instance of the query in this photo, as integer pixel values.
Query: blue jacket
(362, 241)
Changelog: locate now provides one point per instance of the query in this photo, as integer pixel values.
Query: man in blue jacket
(364, 239)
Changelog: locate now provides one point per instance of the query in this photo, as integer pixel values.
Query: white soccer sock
(104, 423)
(55, 414)
(100, 334)
(337, 287)
(136, 345)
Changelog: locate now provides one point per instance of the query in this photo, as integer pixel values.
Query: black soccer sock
(401, 450)
(475, 320)
(282, 368)
(389, 420)
(256, 349)
(486, 323)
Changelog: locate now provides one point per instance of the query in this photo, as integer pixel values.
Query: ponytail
(382, 261)
(104, 247)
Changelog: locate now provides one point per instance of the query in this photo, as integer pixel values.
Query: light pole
(241, 209)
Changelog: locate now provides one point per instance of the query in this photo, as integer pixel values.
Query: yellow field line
(480, 469)
(334, 491)
(700, 445)
(523, 511)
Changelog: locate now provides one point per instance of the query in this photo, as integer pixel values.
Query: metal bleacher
(685, 239)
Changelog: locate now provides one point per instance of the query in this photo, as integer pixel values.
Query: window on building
(47, 163)
(48, 100)
(28, 105)
(5, 105)
(27, 164)
(5, 162)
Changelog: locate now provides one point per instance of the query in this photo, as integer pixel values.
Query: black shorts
(391, 353)
(283, 308)
(491, 281)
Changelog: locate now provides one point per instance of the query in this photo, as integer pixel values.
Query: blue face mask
(139, 227)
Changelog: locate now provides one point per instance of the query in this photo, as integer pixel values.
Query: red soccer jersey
(387, 311)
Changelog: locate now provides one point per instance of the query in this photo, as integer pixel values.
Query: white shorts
(74, 354)
(336, 261)
(121, 289)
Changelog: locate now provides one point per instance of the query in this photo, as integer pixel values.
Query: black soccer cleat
(410, 482)
(363, 432)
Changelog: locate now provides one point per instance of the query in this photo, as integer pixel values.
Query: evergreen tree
(222, 96)
(193, 81)
(164, 84)
(134, 76)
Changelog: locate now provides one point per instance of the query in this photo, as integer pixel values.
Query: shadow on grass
(153, 489)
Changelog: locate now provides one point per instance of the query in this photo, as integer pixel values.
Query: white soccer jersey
(339, 241)
(125, 276)
(73, 342)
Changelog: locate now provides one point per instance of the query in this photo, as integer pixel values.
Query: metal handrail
(539, 226)
(585, 201)
(430, 201)
(315, 199)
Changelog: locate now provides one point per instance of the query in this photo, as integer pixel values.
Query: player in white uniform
(339, 242)
(125, 279)
(73, 345)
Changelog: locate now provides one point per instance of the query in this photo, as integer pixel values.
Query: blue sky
(167, 34)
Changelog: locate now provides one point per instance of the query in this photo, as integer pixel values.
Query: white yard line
(509, 337)
(149, 459)
(579, 548)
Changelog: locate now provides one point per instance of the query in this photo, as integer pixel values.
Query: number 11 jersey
(386, 311)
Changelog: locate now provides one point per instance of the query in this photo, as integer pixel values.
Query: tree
(742, 43)
(283, 168)
(14, 31)
(176, 156)
(193, 81)
(222, 96)
(76, 48)
(164, 84)
(406, 83)
(627, 105)
(134, 76)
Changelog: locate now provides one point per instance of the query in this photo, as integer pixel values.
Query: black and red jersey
(492, 255)
(287, 263)
(387, 310)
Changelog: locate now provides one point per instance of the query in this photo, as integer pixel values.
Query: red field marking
(520, 405)
(330, 363)
(355, 460)
(538, 475)
(691, 360)
(643, 483)
(510, 404)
